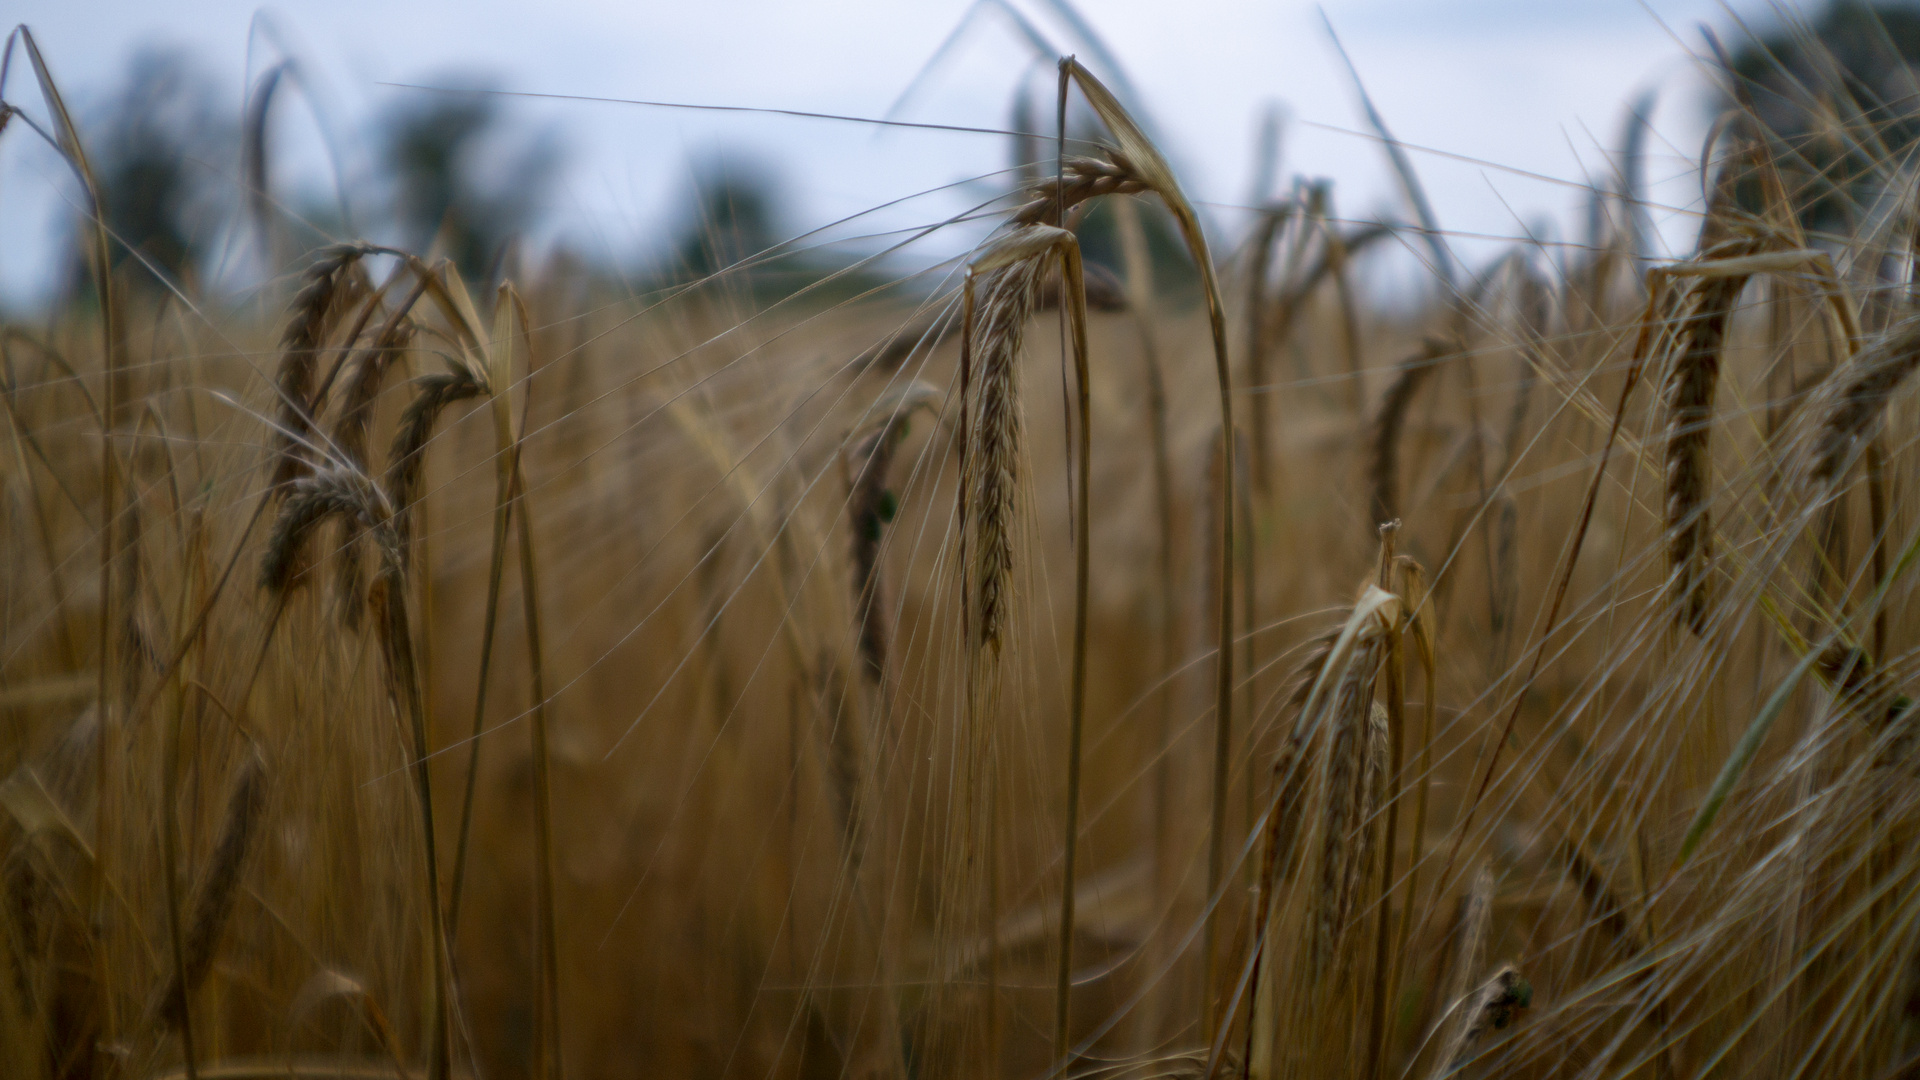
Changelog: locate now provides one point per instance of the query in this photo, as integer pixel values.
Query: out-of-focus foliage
(462, 180)
(161, 154)
(1840, 92)
(730, 214)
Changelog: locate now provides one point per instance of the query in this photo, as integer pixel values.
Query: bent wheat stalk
(1152, 169)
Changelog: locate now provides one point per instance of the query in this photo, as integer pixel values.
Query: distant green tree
(160, 154)
(459, 180)
(731, 213)
(1839, 95)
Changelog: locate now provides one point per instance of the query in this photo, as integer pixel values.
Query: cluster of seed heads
(1084, 178)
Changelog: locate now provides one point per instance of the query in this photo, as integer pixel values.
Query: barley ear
(871, 506)
(213, 904)
(1688, 400)
(1389, 425)
(327, 289)
(1456, 1024)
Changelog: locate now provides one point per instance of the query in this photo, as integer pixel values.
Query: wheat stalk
(433, 394)
(1013, 267)
(1335, 743)
(350, 494)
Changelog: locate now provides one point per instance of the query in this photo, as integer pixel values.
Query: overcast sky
(1525, 95)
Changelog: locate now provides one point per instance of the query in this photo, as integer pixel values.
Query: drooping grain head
(1346, 817)
(1339, 719)
(370, 369)
(1383, 465)
(1004, 308)
(1855, 411)
(407, 457)
(350, 438)
(871, 506)
(310, 502)
(1373, 788)
(332, 284)
(1085, 178)
(1687, 398)
(218, 891)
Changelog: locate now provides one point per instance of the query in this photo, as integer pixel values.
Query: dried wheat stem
(1273, 222)
(1139, 286)
(1385, 795)
(547, 1041)
(177, 1011)
(1151, 166)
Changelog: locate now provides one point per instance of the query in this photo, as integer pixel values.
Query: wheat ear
(1855, 411)
(1687, 397)
(328, 286)
(1383, 465)
(214, 902)
(1492, 1006)
(1469, 939)
(871, 506)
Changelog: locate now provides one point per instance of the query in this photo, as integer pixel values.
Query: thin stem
(494, 571)
(398, 640)
(547, 1031)
(170, 854)
(1383, 985)
(1071, 272)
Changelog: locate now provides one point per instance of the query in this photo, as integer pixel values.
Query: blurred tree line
(452, 175)
(452, 172)
(1836, 93)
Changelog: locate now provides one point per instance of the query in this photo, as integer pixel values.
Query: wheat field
(1024, 667)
